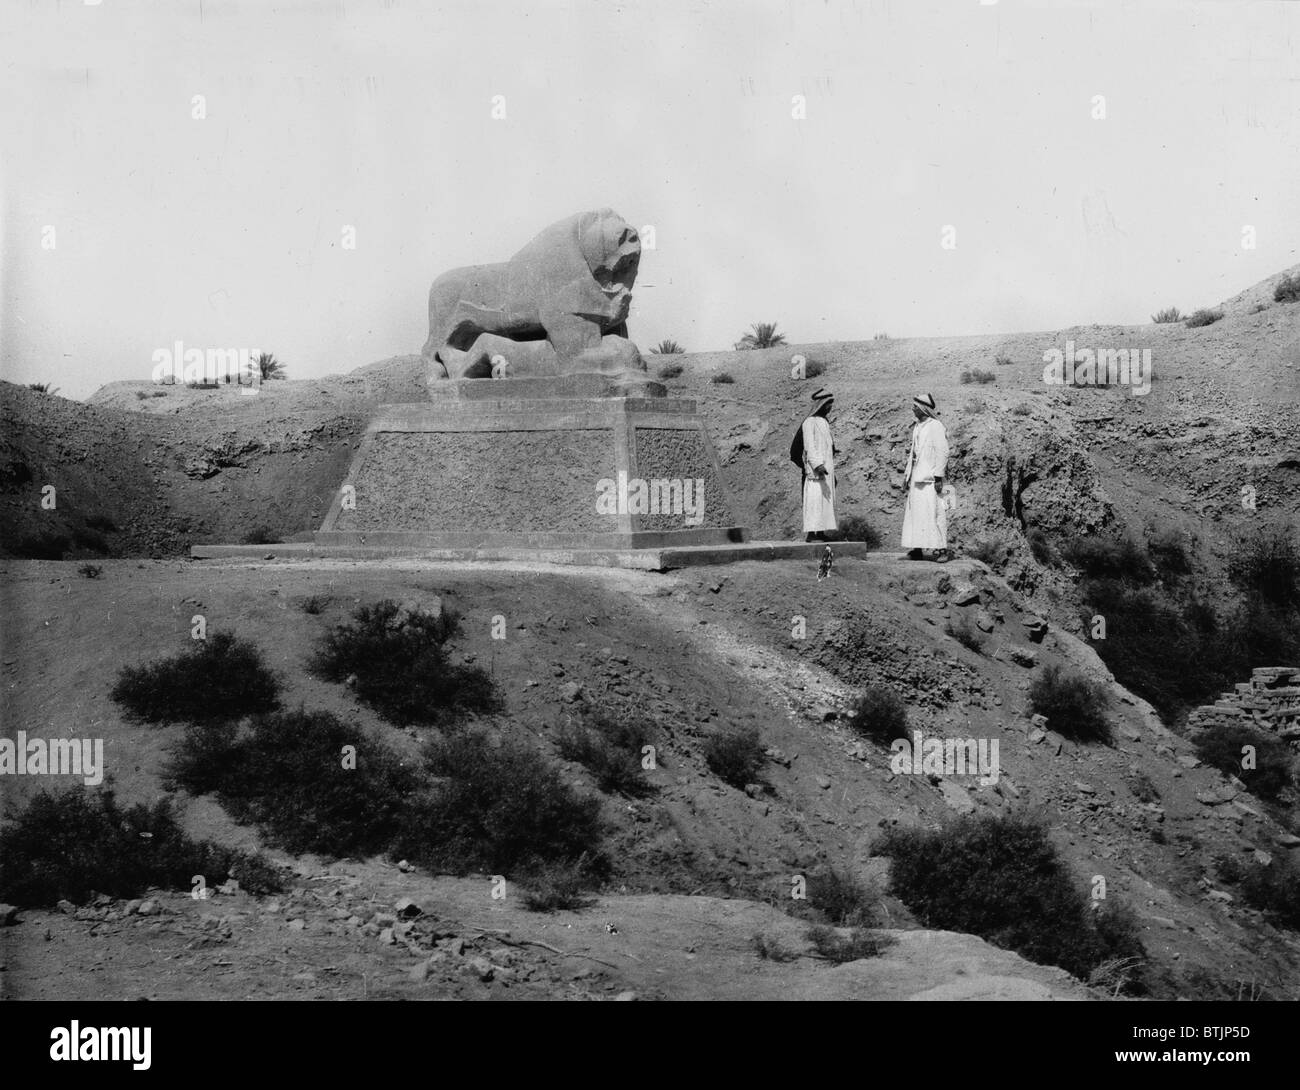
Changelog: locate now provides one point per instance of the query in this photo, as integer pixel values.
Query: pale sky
(227, 230)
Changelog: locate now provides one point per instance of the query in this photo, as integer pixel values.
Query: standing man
(925, 516)
(814, 453)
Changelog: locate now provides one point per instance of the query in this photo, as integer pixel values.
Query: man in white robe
(925, 515)
(818, 472)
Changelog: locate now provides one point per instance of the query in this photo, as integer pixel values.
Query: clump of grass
(1002, 879)
(78, 844)
(672, 370)
(770, 948)
(879, 714)
(1021, 409)
(1075, 707)
(667, 348)
(1003, 360)
(990, 550)
(611, 750)
(1221, 746)
(311, 782)
(813, 368)
(736, 756)
(260, 535)
(399, 661)
(90, 571)
(1273, 888)
(1166, 316)
(1041, 547)
(315, 604)
(1287, 290)
(856, 528)
(963, 630)
(219, 678)
(839, 948)
(722, 379)
(1203, 317)
(499, 809)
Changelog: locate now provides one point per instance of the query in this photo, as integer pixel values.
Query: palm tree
(42, 388)
(668, 348)
(270, 366)
(764, 335)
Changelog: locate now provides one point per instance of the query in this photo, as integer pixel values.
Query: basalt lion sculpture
(558, 307)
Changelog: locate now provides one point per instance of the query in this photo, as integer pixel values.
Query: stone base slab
(653, 559)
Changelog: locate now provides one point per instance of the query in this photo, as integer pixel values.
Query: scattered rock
(147, 908)
(407, 909)
(625, 997)
(824, 783)
(67, 908)
(956, 797)
(8, 915)
(965, 595)
(297, 925)
(571, 692)
(1036, 627)
(483, 968)
(1023, 656)
(983, 621)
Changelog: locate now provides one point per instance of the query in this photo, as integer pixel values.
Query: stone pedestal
(476, 469)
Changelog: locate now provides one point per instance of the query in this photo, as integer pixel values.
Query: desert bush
(839, 948)
(983, 377)
(1003, 360)
(770, 948)
(81, 843)
(260, 535)
(1203, 317)
(974, 406)
(1273, 888)
(1000, 877)
(735, 756)
(1169, 314)
(499, 809)
(610, 749)
(1177, 656)
(1075, 707)
(1110, 558)
(856, 528)
(672, 370)
(401, 666)
(841, 899)
(315, 604)
(556, 886)
(1041, 547)
(287, 774)
(989, 550)
(140, 395)
(964, 631)
(221, 677)
(1221, 745)
(46, 545)
(103, 523)
(90, 571)
(1266, 563)
(880, 337)
(965, 378)
(1287, 290)
(1143, 789)
(667, 348)
(1021, 409)
(722, 379)
(879, 714)
(1167, 548)
(813, 368)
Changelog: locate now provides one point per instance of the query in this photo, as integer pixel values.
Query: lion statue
(558, 307)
